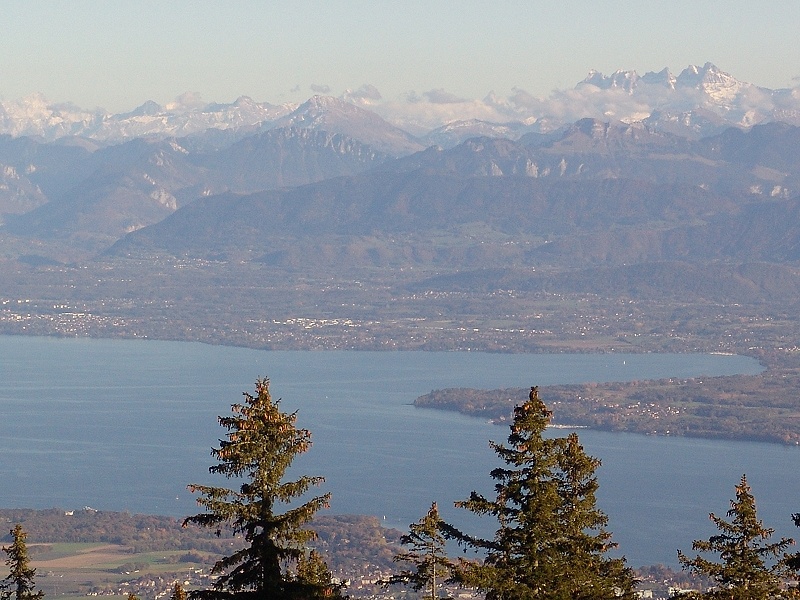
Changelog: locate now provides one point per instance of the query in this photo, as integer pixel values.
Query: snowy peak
(456, 132)
(701, 100)
(36, 116)
(629, 81)
(708, 78)
(326, 104)
(623, 80)
(663, 78)
(148, 109)
(694, 76)
(719, 89)
(333, 115)
(318, 110)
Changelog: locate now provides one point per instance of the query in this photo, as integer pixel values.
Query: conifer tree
(749, 567)
(178, 593)
(583, 538)
(551, 542)
(427, 554)
(19, 584)
(260, 445)
(315, 580)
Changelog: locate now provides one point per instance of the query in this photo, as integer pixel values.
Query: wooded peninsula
(759, 407)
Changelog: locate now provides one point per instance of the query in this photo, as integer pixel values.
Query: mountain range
(699, 101)
(329, 184)
(598, 194)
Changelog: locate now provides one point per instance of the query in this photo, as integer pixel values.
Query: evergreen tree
(750, 568)
(314, 578)
(427, 554)
(793, 560)
(178, 592)
(550, 542)
(19, 584)
(584, 540)
(260, 445)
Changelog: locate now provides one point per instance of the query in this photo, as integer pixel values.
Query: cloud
(753, 97)
(440, 96)
(366, 94)
(320, 89)
(418, 114)
(523, 100)
(186, 101)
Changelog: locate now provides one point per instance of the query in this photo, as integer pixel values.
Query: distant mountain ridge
(707, 78)
(601, 194)
(323, 113)
(338, 181)
(676, 195)
(94, 196)
(699, 101)
(91, 196)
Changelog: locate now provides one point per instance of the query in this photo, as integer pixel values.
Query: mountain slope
(593, 196)
(288, 157)
(663, 281)
(764, 160)
(324, 113)
(411, 216)
(97, 197)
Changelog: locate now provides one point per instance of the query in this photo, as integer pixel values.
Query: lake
(126, 425)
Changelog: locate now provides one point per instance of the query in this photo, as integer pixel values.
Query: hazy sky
(117, 54)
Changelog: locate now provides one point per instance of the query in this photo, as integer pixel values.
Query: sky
(118, 54)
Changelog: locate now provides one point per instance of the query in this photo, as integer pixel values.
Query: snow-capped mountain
(36, 116)
(705, 99)
(708, 79)
(456, 132)
(699, 101)
(181, 119)
(324, 113)
(624, 80)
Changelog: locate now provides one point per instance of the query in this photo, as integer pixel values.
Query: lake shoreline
(127, 425)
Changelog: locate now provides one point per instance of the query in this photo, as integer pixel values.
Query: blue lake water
(126, 425)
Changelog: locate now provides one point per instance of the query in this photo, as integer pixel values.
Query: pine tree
(261, 444)
(750, 568)
(550, 542)
(19, 584)
(427, 553)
